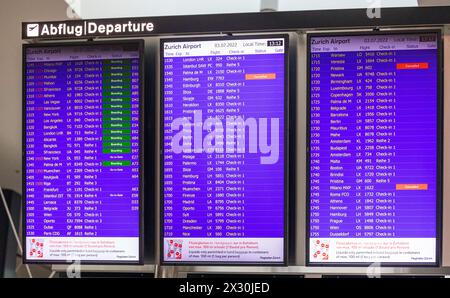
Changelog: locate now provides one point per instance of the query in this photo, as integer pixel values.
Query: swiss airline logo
(32, 30)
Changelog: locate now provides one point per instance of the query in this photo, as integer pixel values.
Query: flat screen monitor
(82, 152)
(374, 155)
(224, 150)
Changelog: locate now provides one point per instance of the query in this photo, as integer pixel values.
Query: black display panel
(224, 150)
(374, 148)
(83, 152)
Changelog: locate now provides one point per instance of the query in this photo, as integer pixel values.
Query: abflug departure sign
(86, 28)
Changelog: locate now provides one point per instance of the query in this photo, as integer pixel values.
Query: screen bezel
(285, 37)
(439, 149)
(141, 48)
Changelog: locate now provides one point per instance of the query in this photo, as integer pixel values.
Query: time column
(315, 136)
(30, 138)
(168, 161)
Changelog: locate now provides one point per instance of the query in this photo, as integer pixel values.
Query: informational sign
(223, 142)
(374, 141)
(82, 168)
(283, 21)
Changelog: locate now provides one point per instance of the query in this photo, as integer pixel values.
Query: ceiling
(88, 9)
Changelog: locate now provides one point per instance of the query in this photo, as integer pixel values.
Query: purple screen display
(223, 150)
(82, 152)
(373, 148)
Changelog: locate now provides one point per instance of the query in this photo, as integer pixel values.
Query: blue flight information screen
(82, 152)
(373, 148)
(223, 150)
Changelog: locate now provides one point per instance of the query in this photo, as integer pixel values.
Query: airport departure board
(374, 135)
(82, 166)
(223, 150)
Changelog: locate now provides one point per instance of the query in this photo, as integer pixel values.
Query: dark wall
(8, 245)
